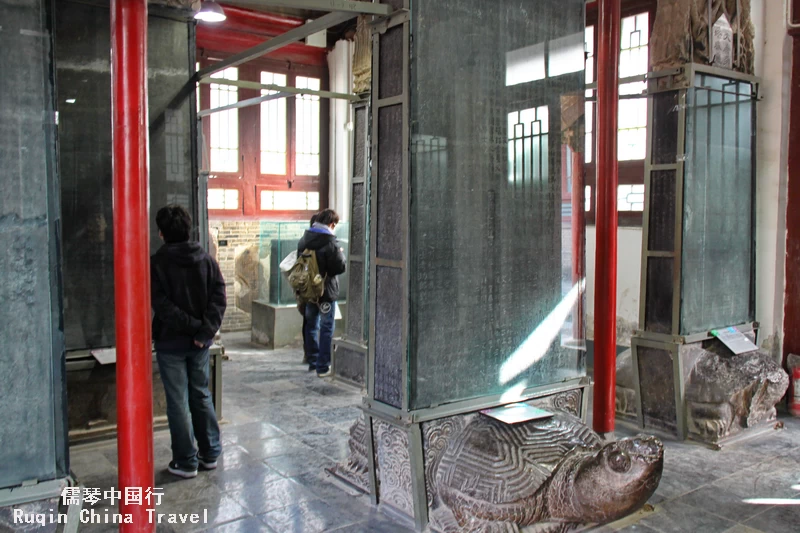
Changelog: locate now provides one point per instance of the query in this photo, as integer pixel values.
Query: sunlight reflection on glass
(514, 393)
(537, 344)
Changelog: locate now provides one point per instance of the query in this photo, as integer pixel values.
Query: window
(633, 111)
(271, 156)
(227, 199)
(632, 125)
(273, 127)
(630, 197)
(307, 130)
(527, 146)
(224, 129)
(289, 201)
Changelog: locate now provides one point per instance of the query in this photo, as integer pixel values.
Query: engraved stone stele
(683, 33)
(362, 57)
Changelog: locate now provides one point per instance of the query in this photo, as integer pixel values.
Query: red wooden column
(605, 296)
(132, 255)
(791, 309)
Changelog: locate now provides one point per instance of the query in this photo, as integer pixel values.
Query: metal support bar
(605, 309)
(297, 34)
(132, 255)
(347, 6)
(242, 84)
(244, 103)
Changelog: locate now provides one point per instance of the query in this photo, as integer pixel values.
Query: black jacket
(329, 258)
(188, 296)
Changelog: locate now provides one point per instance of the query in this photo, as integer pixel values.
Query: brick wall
(242, 237)
(239, 234)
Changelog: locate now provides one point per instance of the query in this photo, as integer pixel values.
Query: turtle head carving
(617, 479)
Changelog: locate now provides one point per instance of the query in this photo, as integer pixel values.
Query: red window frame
(248, 180)
(630, 172)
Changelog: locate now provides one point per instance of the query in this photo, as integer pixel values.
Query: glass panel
(276, 240)
(492, 295)
(307, 128)
(273, 127)
(718, 195)
(224, 126)
(31, 389)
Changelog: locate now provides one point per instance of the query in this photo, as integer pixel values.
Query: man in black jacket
(188, 298)
(320, 317)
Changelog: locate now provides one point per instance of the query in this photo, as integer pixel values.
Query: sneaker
(176, 470)
(207, 464)
(325, 374)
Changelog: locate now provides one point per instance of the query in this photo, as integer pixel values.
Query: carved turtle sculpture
(554, 473)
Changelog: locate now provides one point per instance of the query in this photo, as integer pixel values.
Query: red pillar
(132, 254)
(605, 286)
(791, 305)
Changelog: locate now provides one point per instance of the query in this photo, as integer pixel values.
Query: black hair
(174, 223)
(327, 217)
(313, 219)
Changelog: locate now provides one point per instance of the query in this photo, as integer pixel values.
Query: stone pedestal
(278, 326)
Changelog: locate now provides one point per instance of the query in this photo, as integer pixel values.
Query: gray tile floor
(283, 426)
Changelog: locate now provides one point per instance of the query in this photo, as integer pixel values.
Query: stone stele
(681, 33)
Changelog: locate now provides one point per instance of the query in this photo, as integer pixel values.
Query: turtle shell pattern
(500, 464)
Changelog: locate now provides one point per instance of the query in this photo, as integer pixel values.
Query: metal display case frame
(680, 81)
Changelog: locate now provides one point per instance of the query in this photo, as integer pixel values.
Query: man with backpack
(188, 299)
(302, 308)
(321, 258)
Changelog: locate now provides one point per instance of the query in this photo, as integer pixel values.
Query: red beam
(132, 255)
(605, 286)
(258, 21)
(232, 42)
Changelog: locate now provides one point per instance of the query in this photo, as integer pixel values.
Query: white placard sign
(722, 43)
(734, 340)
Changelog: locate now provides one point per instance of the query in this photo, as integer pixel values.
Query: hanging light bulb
(210, 12)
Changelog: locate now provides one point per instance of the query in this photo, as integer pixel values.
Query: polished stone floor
(283, 426)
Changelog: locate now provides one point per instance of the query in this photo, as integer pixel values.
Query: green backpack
(305, 279)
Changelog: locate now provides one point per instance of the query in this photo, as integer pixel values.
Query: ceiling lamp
(210, 12)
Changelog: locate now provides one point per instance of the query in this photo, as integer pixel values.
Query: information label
(734, 340)
(516, 412)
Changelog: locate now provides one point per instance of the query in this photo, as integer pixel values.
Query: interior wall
(629, 262)
(340, 68)
(773, 65)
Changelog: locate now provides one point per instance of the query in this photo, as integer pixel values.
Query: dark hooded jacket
(188, 296)
(330, 259)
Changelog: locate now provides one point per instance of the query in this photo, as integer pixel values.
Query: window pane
(630, 198)
(587, 198)
(633, 112)
(289, 201)
(307, 128)
(273, 127)
(223, 199)
(224, 138)
(527, 146)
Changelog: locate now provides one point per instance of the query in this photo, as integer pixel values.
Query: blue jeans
(319, 333)
(190, 411)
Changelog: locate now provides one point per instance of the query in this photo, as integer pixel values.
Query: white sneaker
(324, 374)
